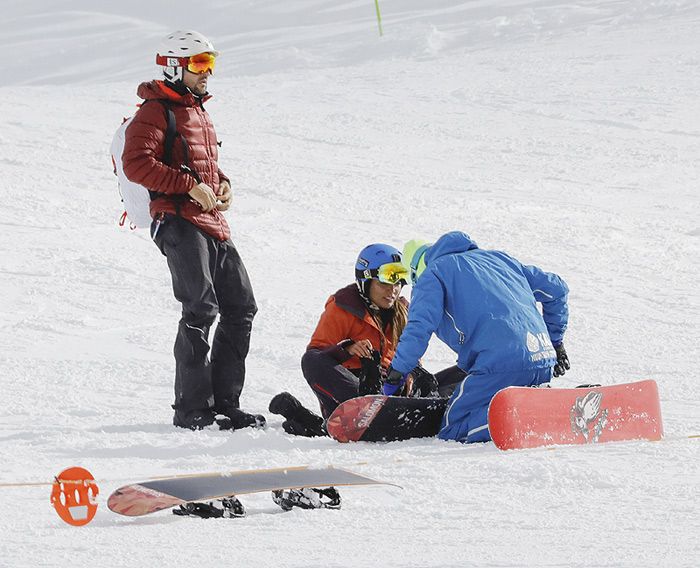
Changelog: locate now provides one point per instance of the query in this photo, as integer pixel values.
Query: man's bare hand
(204, 195)
(224, 199)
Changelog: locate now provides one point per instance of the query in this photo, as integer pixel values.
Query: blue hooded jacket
(483, 305)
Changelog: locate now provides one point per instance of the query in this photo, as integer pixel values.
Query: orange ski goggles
(197, 64)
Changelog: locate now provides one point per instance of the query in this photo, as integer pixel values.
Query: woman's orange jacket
(347, 317)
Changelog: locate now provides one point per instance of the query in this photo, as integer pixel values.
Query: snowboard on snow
(380, 418)
(155, 495)
(522, 417)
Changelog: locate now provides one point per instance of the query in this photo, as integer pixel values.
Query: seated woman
(354, 343)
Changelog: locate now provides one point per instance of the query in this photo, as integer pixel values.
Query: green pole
(379, 17)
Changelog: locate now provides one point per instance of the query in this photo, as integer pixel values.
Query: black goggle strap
(366, 273)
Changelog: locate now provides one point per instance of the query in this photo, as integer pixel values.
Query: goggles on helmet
(197, 64)
(390, 273)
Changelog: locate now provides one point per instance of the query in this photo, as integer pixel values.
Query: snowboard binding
(307, 498)
(425, 384)
(230, 508)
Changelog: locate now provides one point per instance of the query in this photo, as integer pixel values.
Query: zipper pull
(159, 222)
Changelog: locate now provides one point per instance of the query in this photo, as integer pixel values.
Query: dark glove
(424, 383)
(394, 382)
(371, 375)
(562, 365)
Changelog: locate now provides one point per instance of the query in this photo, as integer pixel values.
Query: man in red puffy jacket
(188, 195)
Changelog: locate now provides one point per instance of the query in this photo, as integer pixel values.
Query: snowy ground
(564, 133)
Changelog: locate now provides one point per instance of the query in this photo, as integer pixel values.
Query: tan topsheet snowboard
(155, 495)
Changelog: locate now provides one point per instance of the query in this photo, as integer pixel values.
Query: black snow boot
(298, 429)
(236, 419)
(300, 420)
(197, 419)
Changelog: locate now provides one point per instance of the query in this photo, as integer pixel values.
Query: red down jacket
(143, 151)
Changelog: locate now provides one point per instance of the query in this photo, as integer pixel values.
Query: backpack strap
(170, 130)
(171, 134)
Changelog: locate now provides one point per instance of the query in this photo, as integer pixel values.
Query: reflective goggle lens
(392, 273)
(201, 63)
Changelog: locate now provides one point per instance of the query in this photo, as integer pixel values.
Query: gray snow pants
(208, 278)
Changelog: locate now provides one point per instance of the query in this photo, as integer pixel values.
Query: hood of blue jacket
(449, 243)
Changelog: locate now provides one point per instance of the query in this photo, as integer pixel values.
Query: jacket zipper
(454, 324)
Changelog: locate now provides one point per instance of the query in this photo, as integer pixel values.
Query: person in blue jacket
(484, 305)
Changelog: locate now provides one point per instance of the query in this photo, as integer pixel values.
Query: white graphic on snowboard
(587, 418)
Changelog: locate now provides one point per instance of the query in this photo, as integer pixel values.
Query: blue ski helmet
(381, 262)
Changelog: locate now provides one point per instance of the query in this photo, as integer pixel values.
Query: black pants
(332, 383)
(209, 278)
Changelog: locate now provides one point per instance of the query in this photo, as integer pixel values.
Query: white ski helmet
(181, 43)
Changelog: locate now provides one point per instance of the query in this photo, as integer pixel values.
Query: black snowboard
(379, 418)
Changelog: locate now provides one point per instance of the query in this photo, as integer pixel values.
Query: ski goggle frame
(197, 64)
(389, 273)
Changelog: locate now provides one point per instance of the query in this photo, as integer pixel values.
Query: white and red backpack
(137, 198)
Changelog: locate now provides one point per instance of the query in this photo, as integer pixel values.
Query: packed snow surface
(566, 133)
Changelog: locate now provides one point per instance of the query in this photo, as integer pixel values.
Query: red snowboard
(521, 417)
